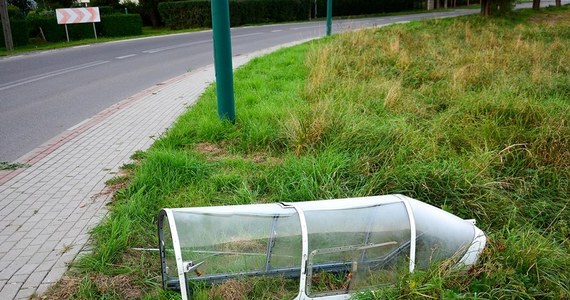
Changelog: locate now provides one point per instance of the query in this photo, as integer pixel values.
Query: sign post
(223, 59)
(78, 15)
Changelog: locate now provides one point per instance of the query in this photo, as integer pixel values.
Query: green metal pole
(329, 17)
(223, 59)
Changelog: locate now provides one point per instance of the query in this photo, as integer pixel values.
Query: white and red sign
(78, 15)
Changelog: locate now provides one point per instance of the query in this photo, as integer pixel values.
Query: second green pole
(223, 60)
(329, 16)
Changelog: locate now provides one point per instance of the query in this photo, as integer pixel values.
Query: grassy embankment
(469, 114)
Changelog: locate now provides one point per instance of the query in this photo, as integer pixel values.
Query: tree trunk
(155, 17)
(485, 7)
(6, 25)
(445, 4)
(536, 4)
(558, 2)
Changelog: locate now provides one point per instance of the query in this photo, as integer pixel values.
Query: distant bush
(120, 25)
(14, 12)
(189, 14)
(110, 25)
(19, 29)
(197, 13)
(54, 32)
(106, 10)
(364, 7)
(186, 14)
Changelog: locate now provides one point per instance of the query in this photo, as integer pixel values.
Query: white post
(66, 33)
(94, 30)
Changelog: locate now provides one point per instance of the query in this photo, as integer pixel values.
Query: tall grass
(468, 114)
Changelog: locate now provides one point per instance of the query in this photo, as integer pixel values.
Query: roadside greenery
(469, 114)
(36, 44)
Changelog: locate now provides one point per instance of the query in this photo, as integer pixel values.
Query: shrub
(106, 10)
(19, 30)
(110, 25)
(14, 12)
(363, 7)
(54, 32)
(120, 25)
(189, 14)
(186, 14)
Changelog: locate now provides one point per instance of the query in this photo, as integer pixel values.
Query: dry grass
(230, 290)
(122, 286)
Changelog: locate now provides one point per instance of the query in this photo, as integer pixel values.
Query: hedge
(110, 25)
(120, 25)
(197, 13)
(19, 29)
(54, 32)
(191, 14)
(365, 7)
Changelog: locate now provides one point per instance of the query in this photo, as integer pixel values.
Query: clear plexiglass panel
(332, 248)
(355, 248)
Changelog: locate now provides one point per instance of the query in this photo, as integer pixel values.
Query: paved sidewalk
(47, 209)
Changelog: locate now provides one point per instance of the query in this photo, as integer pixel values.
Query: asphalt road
(43, 94)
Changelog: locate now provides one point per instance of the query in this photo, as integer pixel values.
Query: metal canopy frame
(308, 265)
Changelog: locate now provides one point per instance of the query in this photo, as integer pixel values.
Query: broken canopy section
(360, 242)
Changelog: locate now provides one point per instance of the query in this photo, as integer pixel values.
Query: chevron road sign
(78, 15)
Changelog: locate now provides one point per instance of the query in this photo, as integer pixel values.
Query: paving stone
(9, 291)
(54, 275)
(44, 287)
(35, 279)
(27, 269)
(22, 244)
(18, 279)
(25, 293)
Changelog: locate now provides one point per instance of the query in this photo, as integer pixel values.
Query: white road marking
(151, 51)
(81, 46)
(306, 27)
(125, 56)
(50, 74)
(279, 30)
(247, 34)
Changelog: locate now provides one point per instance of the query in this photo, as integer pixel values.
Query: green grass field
(468, 114)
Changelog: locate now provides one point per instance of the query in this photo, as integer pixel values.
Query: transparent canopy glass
(358, 243)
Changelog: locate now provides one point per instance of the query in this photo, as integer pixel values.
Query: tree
(23, 5)
(536, 4)
(485, 7)
(112, 3)
(496, 7)
(558, 2)
(6, 25)
(150, 8)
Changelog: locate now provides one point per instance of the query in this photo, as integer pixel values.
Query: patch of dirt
(121, 284)
(551, 19)
(68, 287)
(218, 152)
(245, 246)
(62, 290)
(230, 290)
(210, 149)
